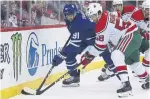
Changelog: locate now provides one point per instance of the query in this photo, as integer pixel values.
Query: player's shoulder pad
(137, 15)
(128, 9)
(102, 23)
(84, 22)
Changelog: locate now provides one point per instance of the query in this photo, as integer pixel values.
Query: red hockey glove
(86, 58)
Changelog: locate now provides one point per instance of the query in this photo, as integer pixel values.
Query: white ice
(91, 88)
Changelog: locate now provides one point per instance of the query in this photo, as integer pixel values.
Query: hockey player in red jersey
(124, 35)
(141, 18)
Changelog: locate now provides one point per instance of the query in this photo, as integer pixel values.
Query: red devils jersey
(135, 15)
(111, 28)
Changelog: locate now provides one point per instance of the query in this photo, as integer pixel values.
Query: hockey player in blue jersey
(83, 35)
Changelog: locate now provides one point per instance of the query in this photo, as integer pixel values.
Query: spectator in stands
(3, 15)
(13, 20)
(35, 13)
(38, 17)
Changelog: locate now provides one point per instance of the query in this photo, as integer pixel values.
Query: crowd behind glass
(35, 13)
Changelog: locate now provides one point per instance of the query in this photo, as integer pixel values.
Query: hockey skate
(106, 73)
(125, 90)
(72, 81)
(146, 84)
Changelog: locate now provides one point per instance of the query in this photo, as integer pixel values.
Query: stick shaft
(41, 85)
(45, 78)
(40, 92)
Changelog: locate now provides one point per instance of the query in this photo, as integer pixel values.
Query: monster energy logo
(16, 40)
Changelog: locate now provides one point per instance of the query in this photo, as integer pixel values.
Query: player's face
(146, 13)
(140, 4)
(70, 17)
(94, 17)
(117, 7)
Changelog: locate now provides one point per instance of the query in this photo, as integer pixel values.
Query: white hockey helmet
(94, 8)
(146, 4)
(115, 2)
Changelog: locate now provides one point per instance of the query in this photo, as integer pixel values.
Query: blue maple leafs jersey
(82, 30)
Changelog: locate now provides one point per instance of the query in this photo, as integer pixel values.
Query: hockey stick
(40, 92)
(26, 90)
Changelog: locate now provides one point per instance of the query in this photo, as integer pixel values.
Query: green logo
(16, 46)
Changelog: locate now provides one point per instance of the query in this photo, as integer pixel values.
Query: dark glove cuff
(88, 55)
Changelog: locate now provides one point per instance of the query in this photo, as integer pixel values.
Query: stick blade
(28, 91)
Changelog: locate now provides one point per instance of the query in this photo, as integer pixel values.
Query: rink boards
(26, 56)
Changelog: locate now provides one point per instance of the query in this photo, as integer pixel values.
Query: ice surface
(91, 88)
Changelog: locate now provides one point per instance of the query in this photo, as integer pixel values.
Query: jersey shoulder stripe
(128, 9)
(102, 23)
(137, 15)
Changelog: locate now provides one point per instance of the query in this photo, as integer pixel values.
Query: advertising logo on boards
(4, 57)
(1, 73)
(4, 53)
(37, 51)
(17, 54)
(32, 56)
